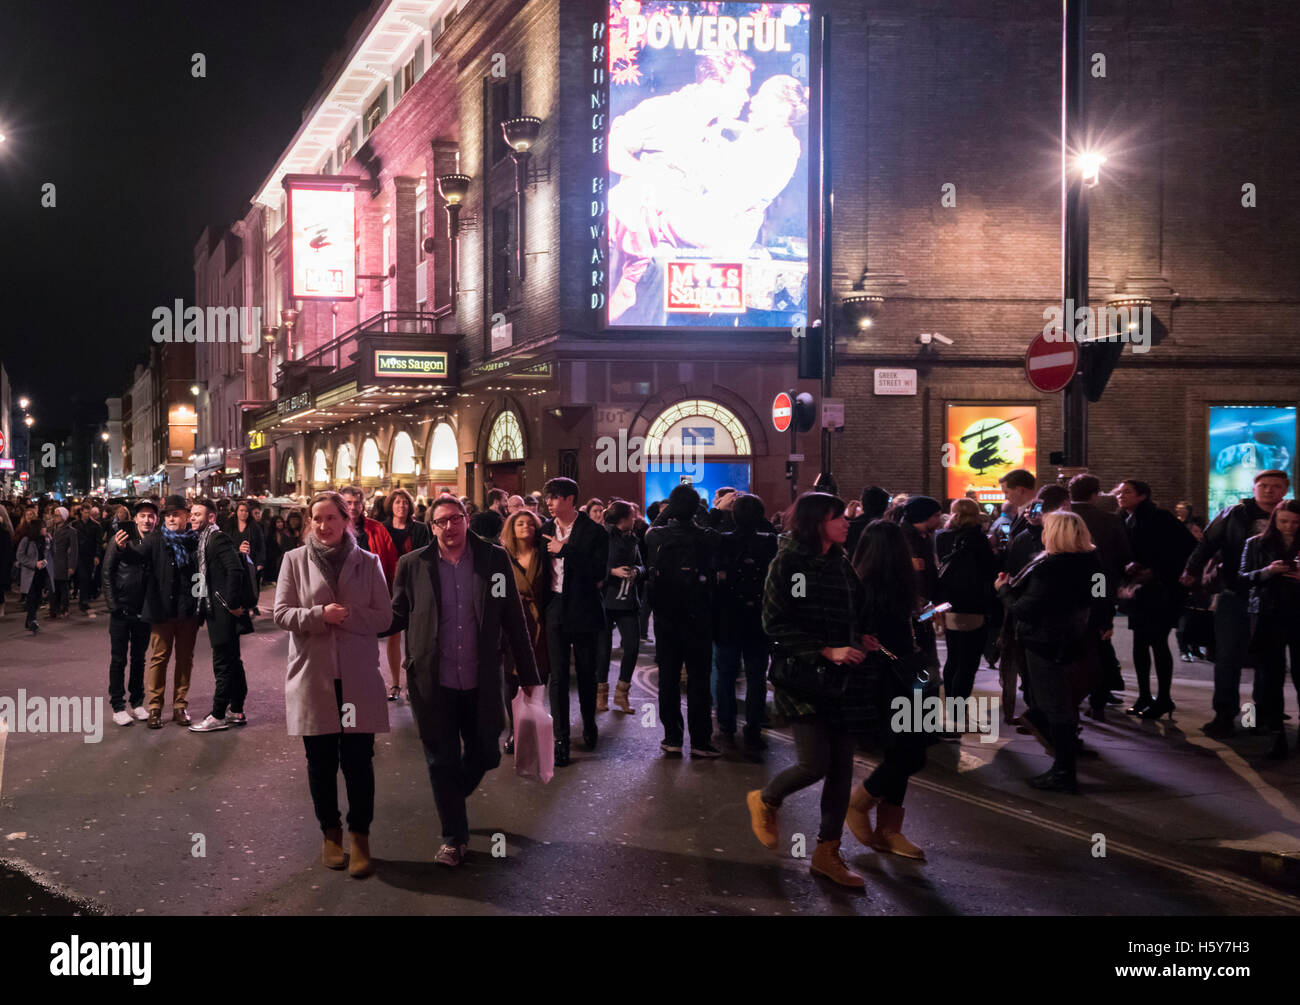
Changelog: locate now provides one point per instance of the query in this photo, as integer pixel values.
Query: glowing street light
(1090, 167)
(24, 403)
(29, 420)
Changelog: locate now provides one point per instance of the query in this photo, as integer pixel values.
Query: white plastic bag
(534, 736)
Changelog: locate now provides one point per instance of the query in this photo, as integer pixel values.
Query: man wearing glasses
(457, 601)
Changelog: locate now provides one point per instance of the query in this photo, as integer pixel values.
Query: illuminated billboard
(707, 211)
(1245, 440)
(322, 245)
(984, 442)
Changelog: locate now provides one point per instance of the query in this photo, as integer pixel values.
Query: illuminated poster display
(984, 442)
(706, 477)
(322, 246)
(707, 207)
(1244, 440)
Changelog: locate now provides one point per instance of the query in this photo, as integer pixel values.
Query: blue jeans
(727, 658)
(1231, 642)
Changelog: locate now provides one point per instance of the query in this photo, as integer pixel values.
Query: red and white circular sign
(2, 441)
(782, 412)
(1050, 365)
(23, 476)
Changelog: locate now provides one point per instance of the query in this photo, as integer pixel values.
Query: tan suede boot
(762, 818)
(360, 866)
(889, 837)
(859, 816)
(602, 697)
(826, 862)
(622, 701)
(332, 853)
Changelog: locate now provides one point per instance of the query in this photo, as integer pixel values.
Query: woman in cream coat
(333, 600)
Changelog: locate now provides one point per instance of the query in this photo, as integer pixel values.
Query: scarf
(330, 560)
(203, 559)
(182, 543)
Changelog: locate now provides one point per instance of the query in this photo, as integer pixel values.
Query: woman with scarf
(407, 535)
(532, 578)
(333, 600)
(33, 559)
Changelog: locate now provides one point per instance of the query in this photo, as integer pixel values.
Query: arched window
(320, 474)
(345, 462)
(443, 455)
(370, 466)
(506, 441)
(290, 470)
(701, 425)
(403, 455)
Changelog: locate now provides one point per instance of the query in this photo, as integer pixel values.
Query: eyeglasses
(447, 521)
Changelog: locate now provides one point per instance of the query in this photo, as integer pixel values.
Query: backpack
(678, 583)
(746, 570)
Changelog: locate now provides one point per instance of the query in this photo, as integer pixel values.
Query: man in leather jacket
(125, 584)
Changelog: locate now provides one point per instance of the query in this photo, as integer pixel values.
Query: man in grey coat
(457, 601)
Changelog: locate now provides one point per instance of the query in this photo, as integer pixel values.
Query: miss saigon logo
(705, 288)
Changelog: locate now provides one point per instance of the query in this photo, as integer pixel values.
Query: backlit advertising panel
(984, 442)
(1245, 440)
(707, 208)
(322, 245)
(706, 477)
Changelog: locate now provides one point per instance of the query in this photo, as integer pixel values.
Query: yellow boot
(621, 697)
(602, 697)
(859, 815)
(826, 862)
(332, 852)
(762, 818)
(889, 833)
(360, 865)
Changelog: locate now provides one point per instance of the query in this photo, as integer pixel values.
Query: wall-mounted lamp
(861, 309)
(521, 135)
(453, 188)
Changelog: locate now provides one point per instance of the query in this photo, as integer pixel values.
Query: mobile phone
(931, 610)
(1036, 508)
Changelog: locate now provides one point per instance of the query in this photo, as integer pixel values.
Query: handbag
(534, 736)
(809, 677)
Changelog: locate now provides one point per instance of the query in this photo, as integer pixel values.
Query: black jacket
(624, 549)
(922, 547)
(1225, 539)
(1024, 546)
(228, 585)
(125, 582)
(1160, 542)
(169, 591)
(698, 609)
(253, 535)
(586, 555)
(742, 555)
(1269, 595)
(969, 583)
(89, 534)
(1111, 538)
(1053, 606)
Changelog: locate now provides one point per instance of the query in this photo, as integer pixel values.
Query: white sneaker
(140, 712)
(210, 724)
(122, 718)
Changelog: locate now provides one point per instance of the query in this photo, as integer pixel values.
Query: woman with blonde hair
(1054, 606)
(332, 599)
(967, 568)
(521, 538)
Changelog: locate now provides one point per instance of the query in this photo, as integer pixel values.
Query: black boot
(1278, 751)
(562, 753)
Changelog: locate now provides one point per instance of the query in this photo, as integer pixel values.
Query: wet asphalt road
(115, 826)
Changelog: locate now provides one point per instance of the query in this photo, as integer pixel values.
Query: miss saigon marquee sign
(410, 363)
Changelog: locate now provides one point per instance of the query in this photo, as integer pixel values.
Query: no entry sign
(782, 411)
(1050, 365)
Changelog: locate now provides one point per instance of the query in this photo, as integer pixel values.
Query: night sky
(97, 97)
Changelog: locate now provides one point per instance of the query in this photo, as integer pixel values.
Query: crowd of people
(838, 606)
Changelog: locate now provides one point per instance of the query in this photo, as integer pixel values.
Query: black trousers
(823, 751)
(227, 667)
(1274, 635)
(629, 631)
(355, 752)
(963, 662)
(458, 758)
(678, 642)
(59, 598)
(1053, 699)
(124, 634)
(86, 582)
(1151, 640)
(904, 757)
(584, 646)
(34, 598)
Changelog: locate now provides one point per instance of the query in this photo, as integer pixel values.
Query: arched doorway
(698, 442)
(345, 464)
(444, 460)
(320, 469)
(402, 463)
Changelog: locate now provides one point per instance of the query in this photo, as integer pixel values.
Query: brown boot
(622, 701)
(859, 815)
(602, 697)
(889, 837)
(826, 862)
(763, 819)
(332, 853)
(360, 866)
